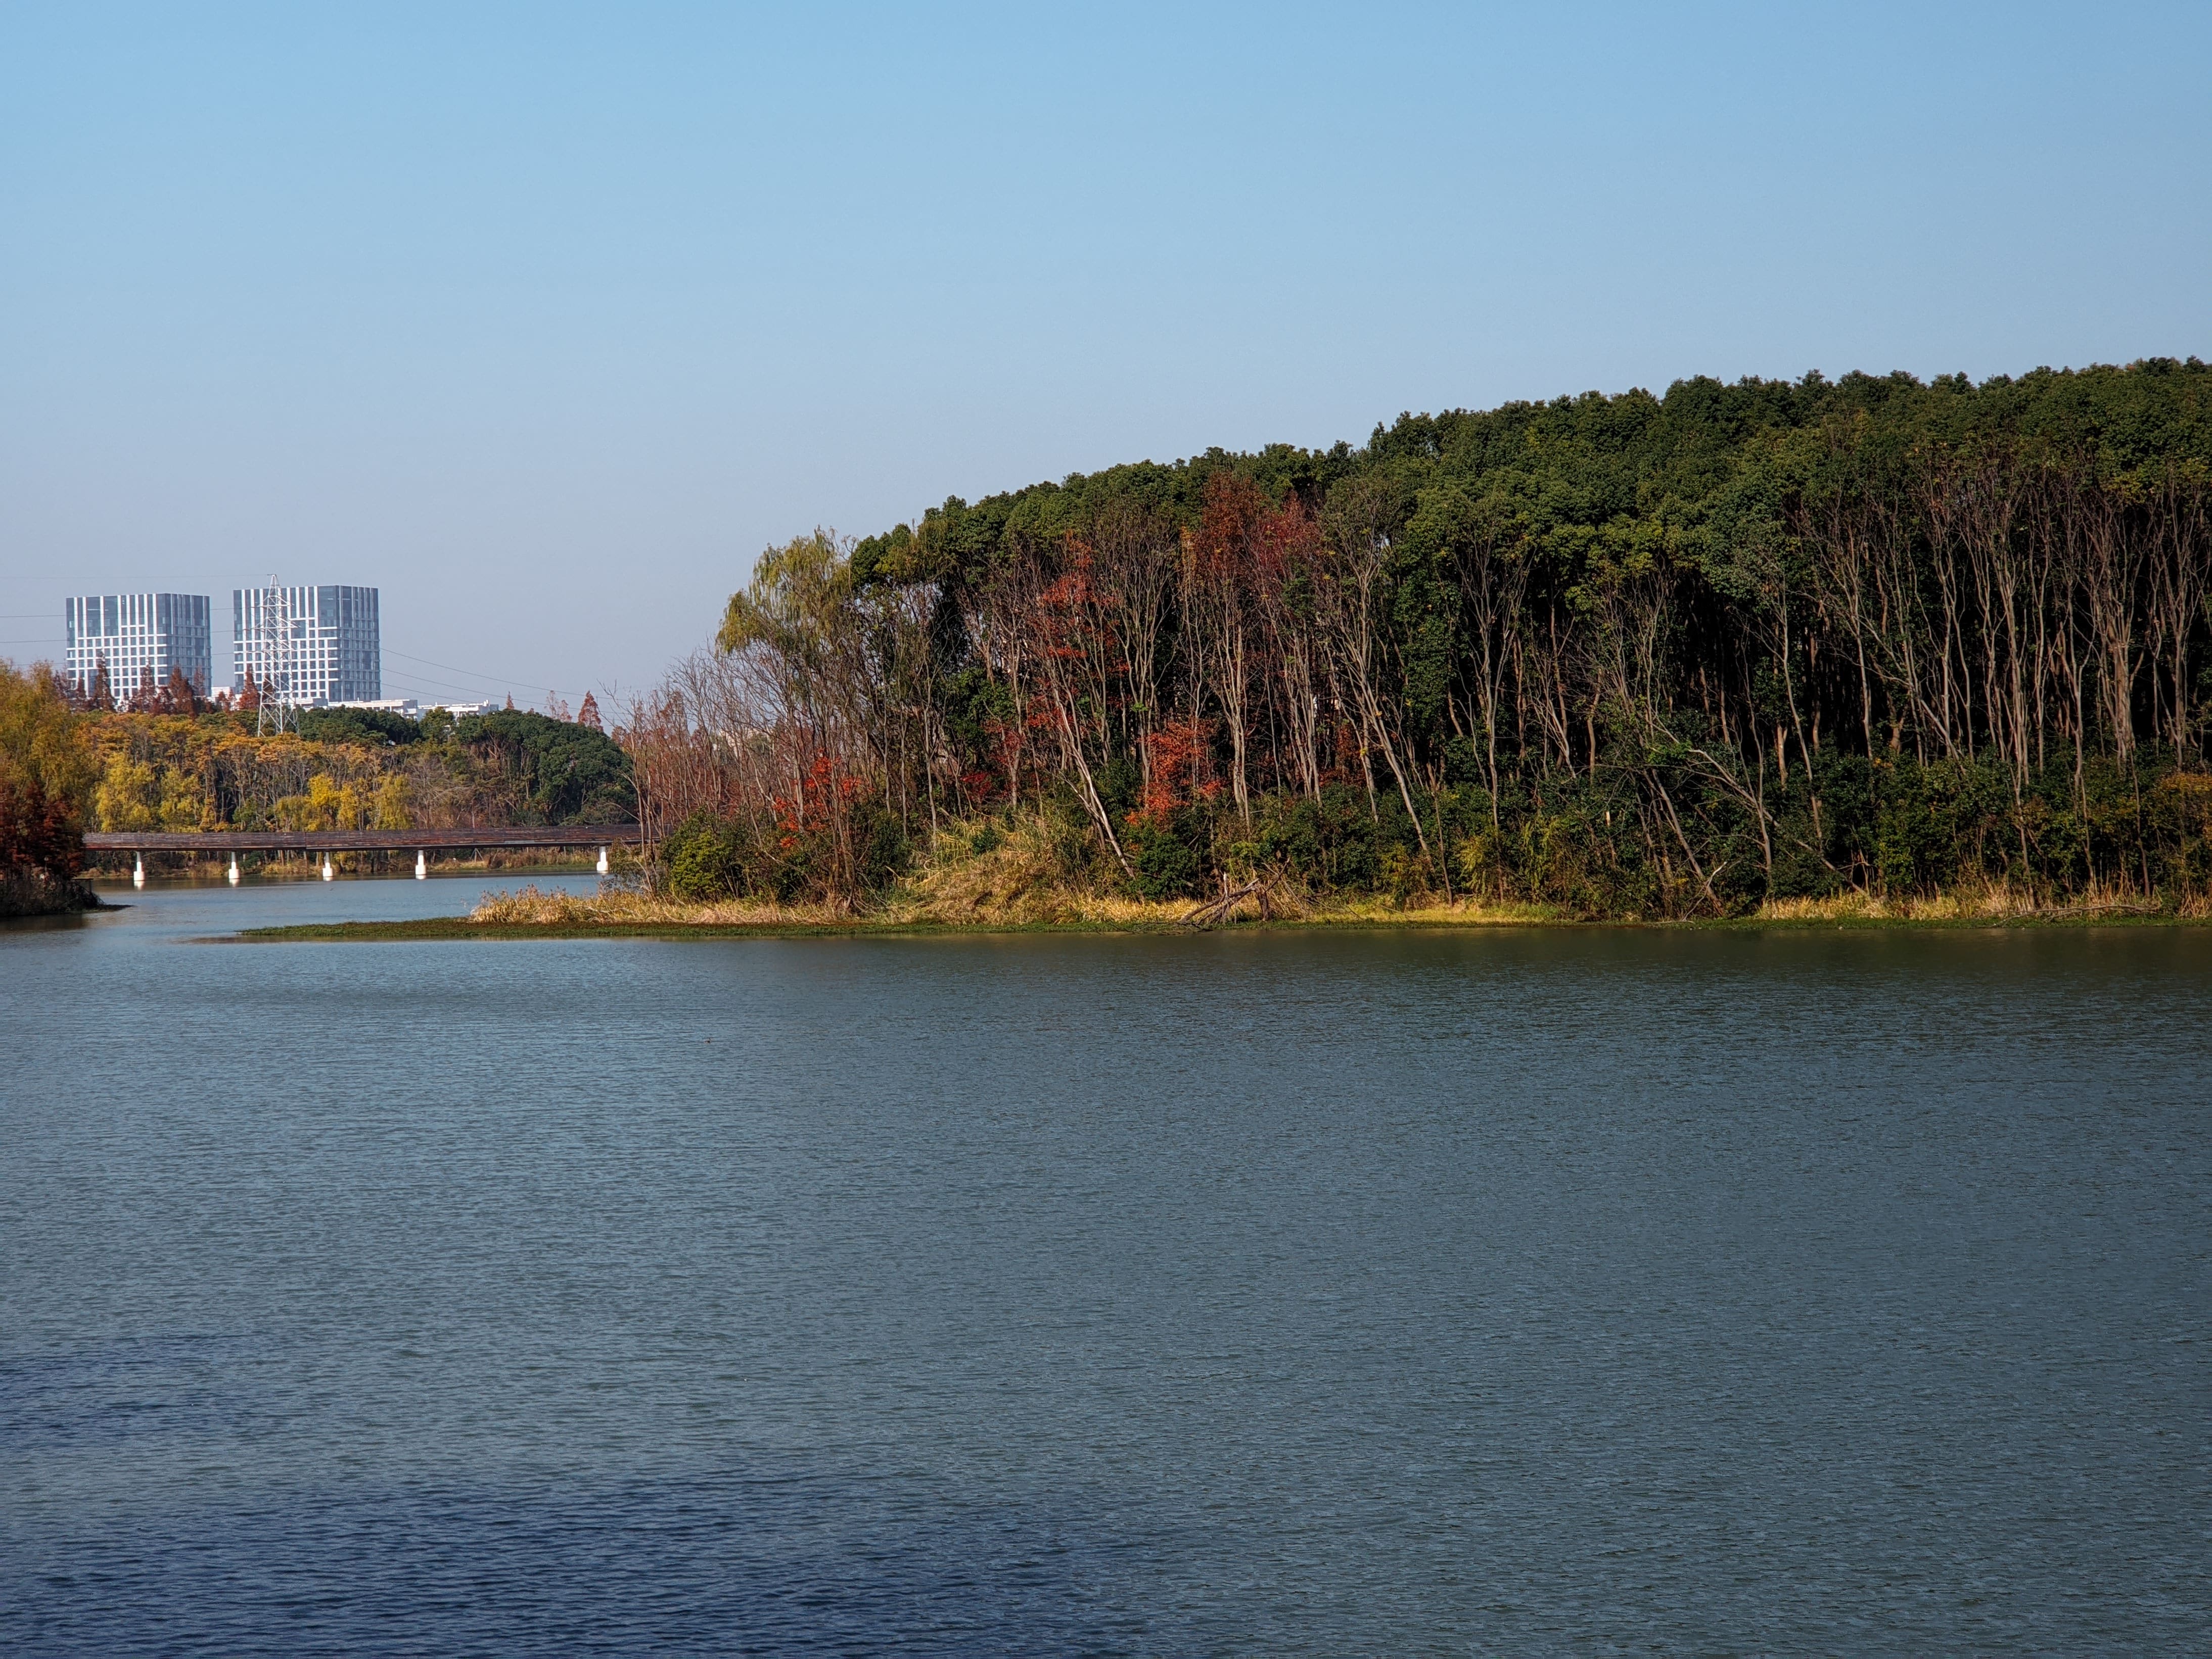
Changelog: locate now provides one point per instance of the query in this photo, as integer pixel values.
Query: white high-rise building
(138, 638)
(306, 646)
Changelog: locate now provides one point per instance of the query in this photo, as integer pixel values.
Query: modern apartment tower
(304, 645)
(138, 638)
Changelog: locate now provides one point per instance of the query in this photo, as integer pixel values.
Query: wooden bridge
(360, 840)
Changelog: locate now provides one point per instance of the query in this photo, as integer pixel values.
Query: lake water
(1352, 1293)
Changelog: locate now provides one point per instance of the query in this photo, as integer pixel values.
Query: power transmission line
(471, 673)
(438, 691)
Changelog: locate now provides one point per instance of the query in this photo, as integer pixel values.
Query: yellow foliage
(328, 804)
(183, 801)
(129, 796)
(394, 805)
(39, 736)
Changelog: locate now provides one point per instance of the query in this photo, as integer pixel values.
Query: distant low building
(137, 638)
(463, 710)
(383, 705)
(307, 645)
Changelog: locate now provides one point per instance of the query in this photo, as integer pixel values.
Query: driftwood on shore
(1217, 910)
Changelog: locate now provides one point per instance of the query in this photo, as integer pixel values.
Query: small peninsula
(1865, 651)
(1874, 649)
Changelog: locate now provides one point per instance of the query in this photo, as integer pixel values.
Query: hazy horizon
(544, 323)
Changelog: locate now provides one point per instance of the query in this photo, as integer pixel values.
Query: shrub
(1167, 865)
(707, 859)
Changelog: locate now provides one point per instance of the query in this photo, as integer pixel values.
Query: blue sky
(546, 319)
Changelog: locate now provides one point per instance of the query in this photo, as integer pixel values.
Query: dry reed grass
(983, 874)
(1997, 900)
(530, 907)
(991, 874)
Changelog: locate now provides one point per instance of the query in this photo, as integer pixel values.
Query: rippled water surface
(1352, 1293)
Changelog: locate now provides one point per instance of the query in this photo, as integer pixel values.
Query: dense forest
(1624, 656)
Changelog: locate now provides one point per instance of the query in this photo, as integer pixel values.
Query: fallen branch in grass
(1215, 911)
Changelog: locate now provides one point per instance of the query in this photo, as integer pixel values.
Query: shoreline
(458, 929)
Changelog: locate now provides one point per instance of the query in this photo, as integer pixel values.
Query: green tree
(570, 773)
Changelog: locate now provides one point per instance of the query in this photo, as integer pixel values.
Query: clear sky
(546, 319)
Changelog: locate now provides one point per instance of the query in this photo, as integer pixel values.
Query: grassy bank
(530, 915)
(1015, 880)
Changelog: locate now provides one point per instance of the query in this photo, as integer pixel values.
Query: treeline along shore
(1874, 643)
(1873, 646)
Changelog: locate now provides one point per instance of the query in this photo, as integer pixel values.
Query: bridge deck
(358, 840)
